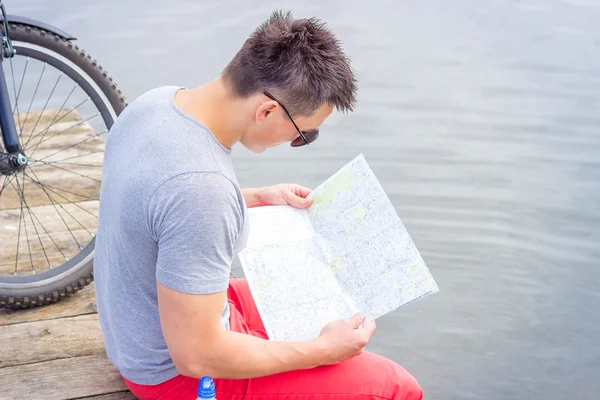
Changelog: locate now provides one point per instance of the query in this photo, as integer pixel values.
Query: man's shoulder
(212, 187)
(159, 91)
(159, 95)
(145, 110)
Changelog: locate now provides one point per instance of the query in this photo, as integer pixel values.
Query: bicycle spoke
(31, 103)
(44, 109)
(22, 77)
(62, 190)
(12, 72)
(37, 182)
(30, 211)
(61, 206)
(18, 232)
(59, 214)
(54, 120)
(66, 163)
(25, 225)
(72, 172)
(68, 129)
(73, 145)
(80, 155)
(22, 195)
(45, 230)
(6, 182)
(38, 235)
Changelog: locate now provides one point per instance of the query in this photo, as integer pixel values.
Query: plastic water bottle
(206, 389)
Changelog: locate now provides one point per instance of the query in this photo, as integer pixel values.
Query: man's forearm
(239, 356)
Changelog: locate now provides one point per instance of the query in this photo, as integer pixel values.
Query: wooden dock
(57, 352)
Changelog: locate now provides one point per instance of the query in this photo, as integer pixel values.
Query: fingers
(357, 319)
(368, 329)
(296, 201)
(301, 190)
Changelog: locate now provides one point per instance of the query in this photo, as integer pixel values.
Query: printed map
(348, 252)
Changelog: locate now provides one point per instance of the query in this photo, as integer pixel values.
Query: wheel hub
(10, 164)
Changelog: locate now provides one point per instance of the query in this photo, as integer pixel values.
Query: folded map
(347, 252)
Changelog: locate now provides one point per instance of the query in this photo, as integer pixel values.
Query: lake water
(481, 119)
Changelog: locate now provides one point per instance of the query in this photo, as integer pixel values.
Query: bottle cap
(206, 388)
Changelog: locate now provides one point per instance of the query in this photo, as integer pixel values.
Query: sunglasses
(306, 137)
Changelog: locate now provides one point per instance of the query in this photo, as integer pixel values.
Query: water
(481, 120)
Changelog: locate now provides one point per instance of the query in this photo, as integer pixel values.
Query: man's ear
(265, 110)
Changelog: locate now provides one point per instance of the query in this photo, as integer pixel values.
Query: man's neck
(213, 106)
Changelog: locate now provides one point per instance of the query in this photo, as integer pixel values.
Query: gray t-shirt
(171, 211)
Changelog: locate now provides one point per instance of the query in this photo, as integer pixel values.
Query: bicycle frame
(7, 122)
(10, 138)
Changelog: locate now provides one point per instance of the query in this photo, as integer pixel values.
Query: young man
(172, 217)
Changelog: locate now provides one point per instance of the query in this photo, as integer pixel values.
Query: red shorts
(367, 376)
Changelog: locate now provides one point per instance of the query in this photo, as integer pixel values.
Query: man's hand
(198, 345)
(278, 195)
(343, 339)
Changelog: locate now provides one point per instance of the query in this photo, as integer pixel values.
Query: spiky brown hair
(300, 61)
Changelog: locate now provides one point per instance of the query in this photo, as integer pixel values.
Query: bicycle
(52, 160)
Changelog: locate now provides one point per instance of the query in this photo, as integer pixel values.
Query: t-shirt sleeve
(195, 219)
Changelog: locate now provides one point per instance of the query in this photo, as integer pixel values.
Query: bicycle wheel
(63, 104)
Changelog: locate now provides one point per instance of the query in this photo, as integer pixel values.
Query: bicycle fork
(13, 160)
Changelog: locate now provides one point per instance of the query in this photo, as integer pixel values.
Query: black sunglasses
(306, 137)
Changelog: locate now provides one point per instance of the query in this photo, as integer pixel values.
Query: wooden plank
(82, 302)
(68, 378)
(50, 340)
(114, 396)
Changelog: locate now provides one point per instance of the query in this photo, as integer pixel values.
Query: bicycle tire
(51, 286)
